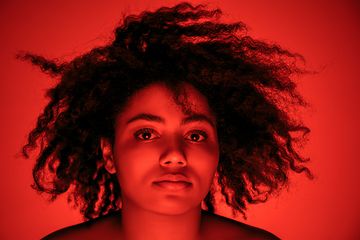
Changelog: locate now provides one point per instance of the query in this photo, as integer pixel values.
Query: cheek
(205, 160)
(134, 165)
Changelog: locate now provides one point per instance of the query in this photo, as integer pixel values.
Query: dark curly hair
(249, 84)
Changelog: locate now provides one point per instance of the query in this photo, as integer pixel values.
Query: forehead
(157, 98)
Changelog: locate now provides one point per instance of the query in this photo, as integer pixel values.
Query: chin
(175, 208)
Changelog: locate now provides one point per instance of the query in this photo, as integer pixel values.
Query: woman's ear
(108, 157)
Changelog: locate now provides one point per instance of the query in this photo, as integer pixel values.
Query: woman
(142, 132)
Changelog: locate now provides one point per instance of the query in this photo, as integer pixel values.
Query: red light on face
(160, 152)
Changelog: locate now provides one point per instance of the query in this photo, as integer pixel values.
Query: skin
(156, 145)
(165, 162)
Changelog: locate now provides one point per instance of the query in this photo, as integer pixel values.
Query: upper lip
(172, 178)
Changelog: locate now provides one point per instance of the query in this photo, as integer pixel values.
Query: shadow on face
(165, 159)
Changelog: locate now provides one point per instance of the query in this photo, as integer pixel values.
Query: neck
(139, 224)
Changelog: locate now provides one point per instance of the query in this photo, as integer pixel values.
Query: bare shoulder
(73, 232)
(93, 229)
(218, 227)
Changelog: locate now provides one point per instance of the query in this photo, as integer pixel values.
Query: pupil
(194, 137)
(146, 135)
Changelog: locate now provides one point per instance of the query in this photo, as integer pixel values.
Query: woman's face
(165, 160)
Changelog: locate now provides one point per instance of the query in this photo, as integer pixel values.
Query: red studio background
(326, 32)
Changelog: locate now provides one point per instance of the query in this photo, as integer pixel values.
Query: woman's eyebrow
(147, 117)
(196, 117)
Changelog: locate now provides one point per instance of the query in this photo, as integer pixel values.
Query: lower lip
(173, 186)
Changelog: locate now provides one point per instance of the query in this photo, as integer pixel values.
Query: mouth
(173, 185)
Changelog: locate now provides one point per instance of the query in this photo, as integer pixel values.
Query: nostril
(173, 158)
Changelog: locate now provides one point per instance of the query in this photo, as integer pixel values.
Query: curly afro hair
(249, 84)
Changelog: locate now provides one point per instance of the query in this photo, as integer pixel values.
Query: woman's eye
(196, 136)
(146, 134)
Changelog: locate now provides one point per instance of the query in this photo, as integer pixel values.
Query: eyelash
(142, 131)
(198, 132)
(202, 133)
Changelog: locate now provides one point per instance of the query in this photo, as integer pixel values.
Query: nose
(173, 155)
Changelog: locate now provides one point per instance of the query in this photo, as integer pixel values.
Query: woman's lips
(173, 185)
